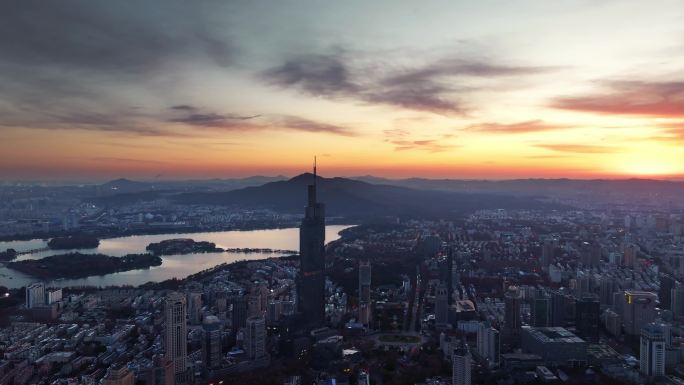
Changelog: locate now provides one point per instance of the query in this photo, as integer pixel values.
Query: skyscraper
(364, 292)
(512, 314)
(212, 341)
(587, 314)
(194, 307)
(176, 340)
(35, 295)
(255, 337)
(311, 289)
(677, 304)
(488, 343)
(441, 305)
(238, 314)
(558, 308)
(541, 310)
(667, 283)
(652, 351)
(547, 254)
(460, 366)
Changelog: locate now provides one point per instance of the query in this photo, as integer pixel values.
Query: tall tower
(312, 259)
(364, 292)
(176, 340)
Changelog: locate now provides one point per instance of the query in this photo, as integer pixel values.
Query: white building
(35, 295)
(54, 295)
(488, 343)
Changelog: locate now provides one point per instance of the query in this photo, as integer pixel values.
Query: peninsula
(77, 265)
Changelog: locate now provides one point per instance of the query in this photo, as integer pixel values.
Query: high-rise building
(35, 295)
(212, 341)
(587, 314)
(559, 312)
(194, 307)
(547, 254)
(460, 366)
(176, 341)
(652, 351)
(255, 338)
(450, 272)
(667, 283)
(118, 375)
(238, 311)
(612, 322)
(541, 310)
(638, 309)
(441, 305)
(630, 255)
(677, 304)
(311, 288)
(488, 343)
(607, 287)
(364, 292)
(512, 320)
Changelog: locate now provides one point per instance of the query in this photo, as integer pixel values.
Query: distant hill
(358, 199)
(124, 185)
(607, 190)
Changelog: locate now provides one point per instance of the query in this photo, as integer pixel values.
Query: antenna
(314, 174)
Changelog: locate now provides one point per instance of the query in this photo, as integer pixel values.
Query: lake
(178, 266)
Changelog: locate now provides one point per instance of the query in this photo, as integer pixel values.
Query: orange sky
(395, 89)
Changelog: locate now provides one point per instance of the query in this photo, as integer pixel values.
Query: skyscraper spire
(314, 183)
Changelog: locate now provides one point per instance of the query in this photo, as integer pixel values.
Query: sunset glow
(444, 89)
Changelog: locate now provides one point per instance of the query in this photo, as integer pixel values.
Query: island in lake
(80, 241)
(182, 246)
(8, 255)
(77, 265)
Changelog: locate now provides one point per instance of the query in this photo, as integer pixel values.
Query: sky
(94, 90)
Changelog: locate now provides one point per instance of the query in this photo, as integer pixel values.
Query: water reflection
(178, 266)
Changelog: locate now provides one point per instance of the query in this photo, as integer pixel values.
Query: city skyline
(441, 90)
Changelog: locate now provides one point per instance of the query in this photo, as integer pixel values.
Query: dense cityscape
(502, 296)
(301, 192)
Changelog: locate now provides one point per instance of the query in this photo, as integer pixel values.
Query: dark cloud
(59, 58)
(320, 75)
(301, 124)
(213, 120)
(234, 122)
(658, 99)
(516, 128)
(183, 107)
(578, 148)
(106, 36)
(430, 87)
